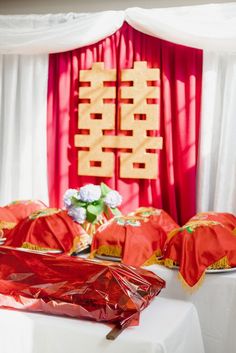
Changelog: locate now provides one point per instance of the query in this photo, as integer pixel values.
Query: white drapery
(209, 27)
(23, 105)
(217, 155)
(38, 34)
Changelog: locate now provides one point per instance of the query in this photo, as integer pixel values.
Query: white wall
(55, 6)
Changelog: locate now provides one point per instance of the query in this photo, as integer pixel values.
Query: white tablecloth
(215, 302)
(166, 326)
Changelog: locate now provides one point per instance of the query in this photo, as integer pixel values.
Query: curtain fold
(23, 102)
(180, 68)
(38, 34)
(217, 151)
(41, 34)
(180, 114)
(209, 27)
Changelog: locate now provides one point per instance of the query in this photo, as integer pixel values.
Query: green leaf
(91, 217)
(189, 230)
(115, 211)
(105, 189)
(95, 209)
(97, 202)
(78, 203)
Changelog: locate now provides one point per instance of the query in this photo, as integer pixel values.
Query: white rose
(68, 196)
(113, 199)
(90, 193)
(78, 214)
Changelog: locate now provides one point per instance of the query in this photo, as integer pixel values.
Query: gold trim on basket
(7, 225)
(153, 260)
(222, 263)
(107, 250)
(28, 245)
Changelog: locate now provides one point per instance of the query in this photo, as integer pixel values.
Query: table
(166, 326)
(215, 301)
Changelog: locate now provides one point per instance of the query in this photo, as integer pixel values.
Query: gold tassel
(7, 225)
(222, 263)
(107, 250)
(27, 245)
(169, 263)
(153, 259)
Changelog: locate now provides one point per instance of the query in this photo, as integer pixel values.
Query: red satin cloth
(199, 245)
(74, 287)
(180, 81)
(23, 208)
(7, 222)
(6, 215)
(135, 239)
(227, 219)
(158, 218)
(46, 229)
(11, 214)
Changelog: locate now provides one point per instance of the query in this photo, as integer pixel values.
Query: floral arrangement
(90, 203)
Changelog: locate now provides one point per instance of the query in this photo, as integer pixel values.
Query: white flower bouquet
(91, 204)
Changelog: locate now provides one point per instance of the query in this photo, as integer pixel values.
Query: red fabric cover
(180, 81)
(7, 221)
(75, 287)
(158, 218)
(136, 240)
(14, 212)
(46, 229)
(227, 219)
(6, 215)
(23, 208)
(199, 245)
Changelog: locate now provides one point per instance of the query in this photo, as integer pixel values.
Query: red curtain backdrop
(181, 74)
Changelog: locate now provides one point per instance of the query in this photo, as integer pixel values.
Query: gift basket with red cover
(48, 229)
(207, 242)
(136, 239)
(14, 212)
(227, 219)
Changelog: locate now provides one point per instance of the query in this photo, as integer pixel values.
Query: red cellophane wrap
(47, 229)
(64, 285)
(227, 219)
(198, 246)
(136, 240)
(158, 218)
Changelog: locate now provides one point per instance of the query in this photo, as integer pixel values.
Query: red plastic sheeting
(75, 287)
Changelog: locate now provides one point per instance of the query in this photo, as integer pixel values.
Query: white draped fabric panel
(23, 84)
(40, 34)
(208, 27)
(217, 162)
(23, 112)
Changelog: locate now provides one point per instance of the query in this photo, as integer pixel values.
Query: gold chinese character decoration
(132, 136)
